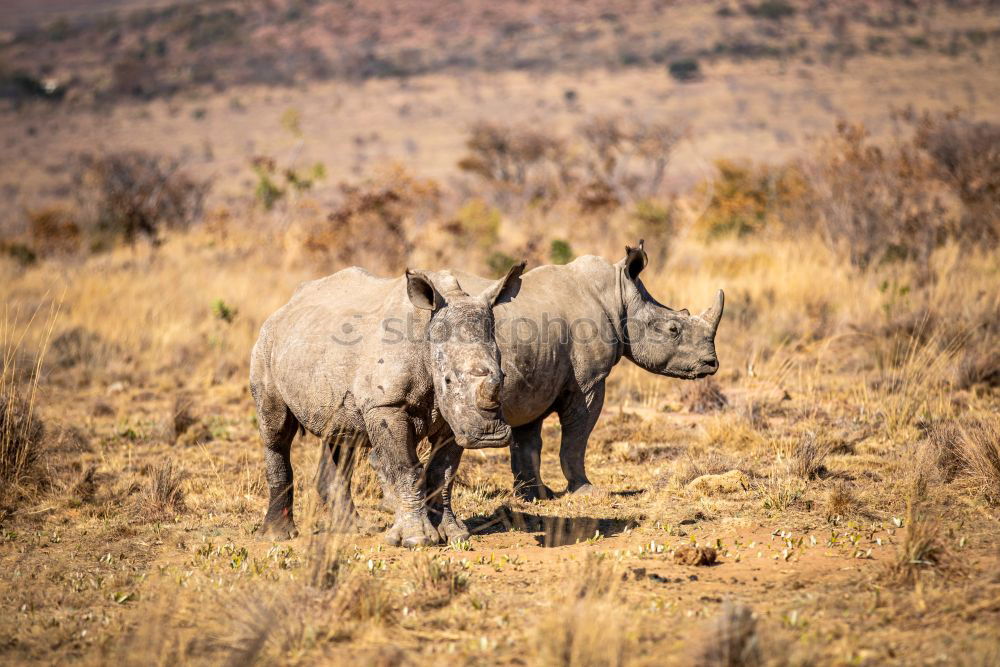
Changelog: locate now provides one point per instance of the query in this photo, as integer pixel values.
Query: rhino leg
(526, 462)
(277, 430)
(394, 457)
(578, 414)
(439, 479)
(333, 481)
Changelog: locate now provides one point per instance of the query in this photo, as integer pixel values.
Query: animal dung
(692, 555)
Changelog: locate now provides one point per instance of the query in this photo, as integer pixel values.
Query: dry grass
(924, 550)
(731, 639)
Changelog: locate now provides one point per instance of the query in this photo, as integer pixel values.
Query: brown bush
(390, 207)
(133, 194)
(53, 230)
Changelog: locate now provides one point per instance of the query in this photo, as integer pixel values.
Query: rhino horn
(488, 395)
(714, 313)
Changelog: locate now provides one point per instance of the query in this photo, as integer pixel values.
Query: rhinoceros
(569, 326)
(363, 361)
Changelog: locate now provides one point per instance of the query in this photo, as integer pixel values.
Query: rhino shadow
(555, 531)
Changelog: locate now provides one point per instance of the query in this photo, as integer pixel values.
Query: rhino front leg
(526, 462)
(578, 414)
(440, 477)
(333, 481)
(277, 430)
(394, 457)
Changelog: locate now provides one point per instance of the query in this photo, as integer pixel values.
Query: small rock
(733, 481)
(691, 555)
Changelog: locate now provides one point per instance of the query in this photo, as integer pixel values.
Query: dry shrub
(704, 396)
(594, 626)
(77, 346)
(965, 155)
(434, 582)
(690, 554)
(392, 207)
(54, 230)
(519, 162)
(731, 639)
(132, 194)
(745, 199)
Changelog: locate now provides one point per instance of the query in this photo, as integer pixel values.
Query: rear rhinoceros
(365, 361)
(560, 339)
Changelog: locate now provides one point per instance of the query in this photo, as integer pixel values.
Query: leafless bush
(979, 450)
(517, 160)
(965, 155)
(133, 194)
(730, 640)
(53, 230)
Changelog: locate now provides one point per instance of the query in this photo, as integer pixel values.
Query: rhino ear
(506, 288)
(421, 291)
(635, 260)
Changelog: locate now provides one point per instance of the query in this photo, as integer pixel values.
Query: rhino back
(554, 335)
(328, 355)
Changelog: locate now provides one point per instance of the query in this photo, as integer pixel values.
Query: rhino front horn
(488, 395)
(714, 314)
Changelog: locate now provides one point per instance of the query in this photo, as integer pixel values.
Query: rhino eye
(669, 328)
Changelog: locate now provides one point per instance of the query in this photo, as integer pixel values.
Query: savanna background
(171, 170)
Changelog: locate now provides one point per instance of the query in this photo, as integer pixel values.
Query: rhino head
(464, 358)
(662, 340)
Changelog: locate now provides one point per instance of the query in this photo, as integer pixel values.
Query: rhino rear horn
(713, 315)
(507, 286)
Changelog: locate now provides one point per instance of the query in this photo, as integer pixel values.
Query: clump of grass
(712, 462)
(979, 450)
(779, 493)
(922, 551)
(807, 459)
(164, 494)
(840, 500)
(730, 640)
(435, 582)
(704, 396)
(594, 628)
(21, 433)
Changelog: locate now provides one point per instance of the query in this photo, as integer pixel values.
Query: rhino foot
(586, 489)
(278, 529)
(531, 493)
(452, 529)
(412, 530)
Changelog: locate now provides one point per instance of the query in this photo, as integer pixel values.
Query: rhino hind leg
(442, 465)
(333, 482)
(277, 429)
(526, 462)
(394, 457)
(578, 413)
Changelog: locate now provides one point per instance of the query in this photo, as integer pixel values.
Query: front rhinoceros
(359, 360)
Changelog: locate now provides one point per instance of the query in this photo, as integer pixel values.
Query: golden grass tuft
(731, 639)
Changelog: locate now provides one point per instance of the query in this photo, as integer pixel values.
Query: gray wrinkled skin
(362, 361)
(565, 374)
